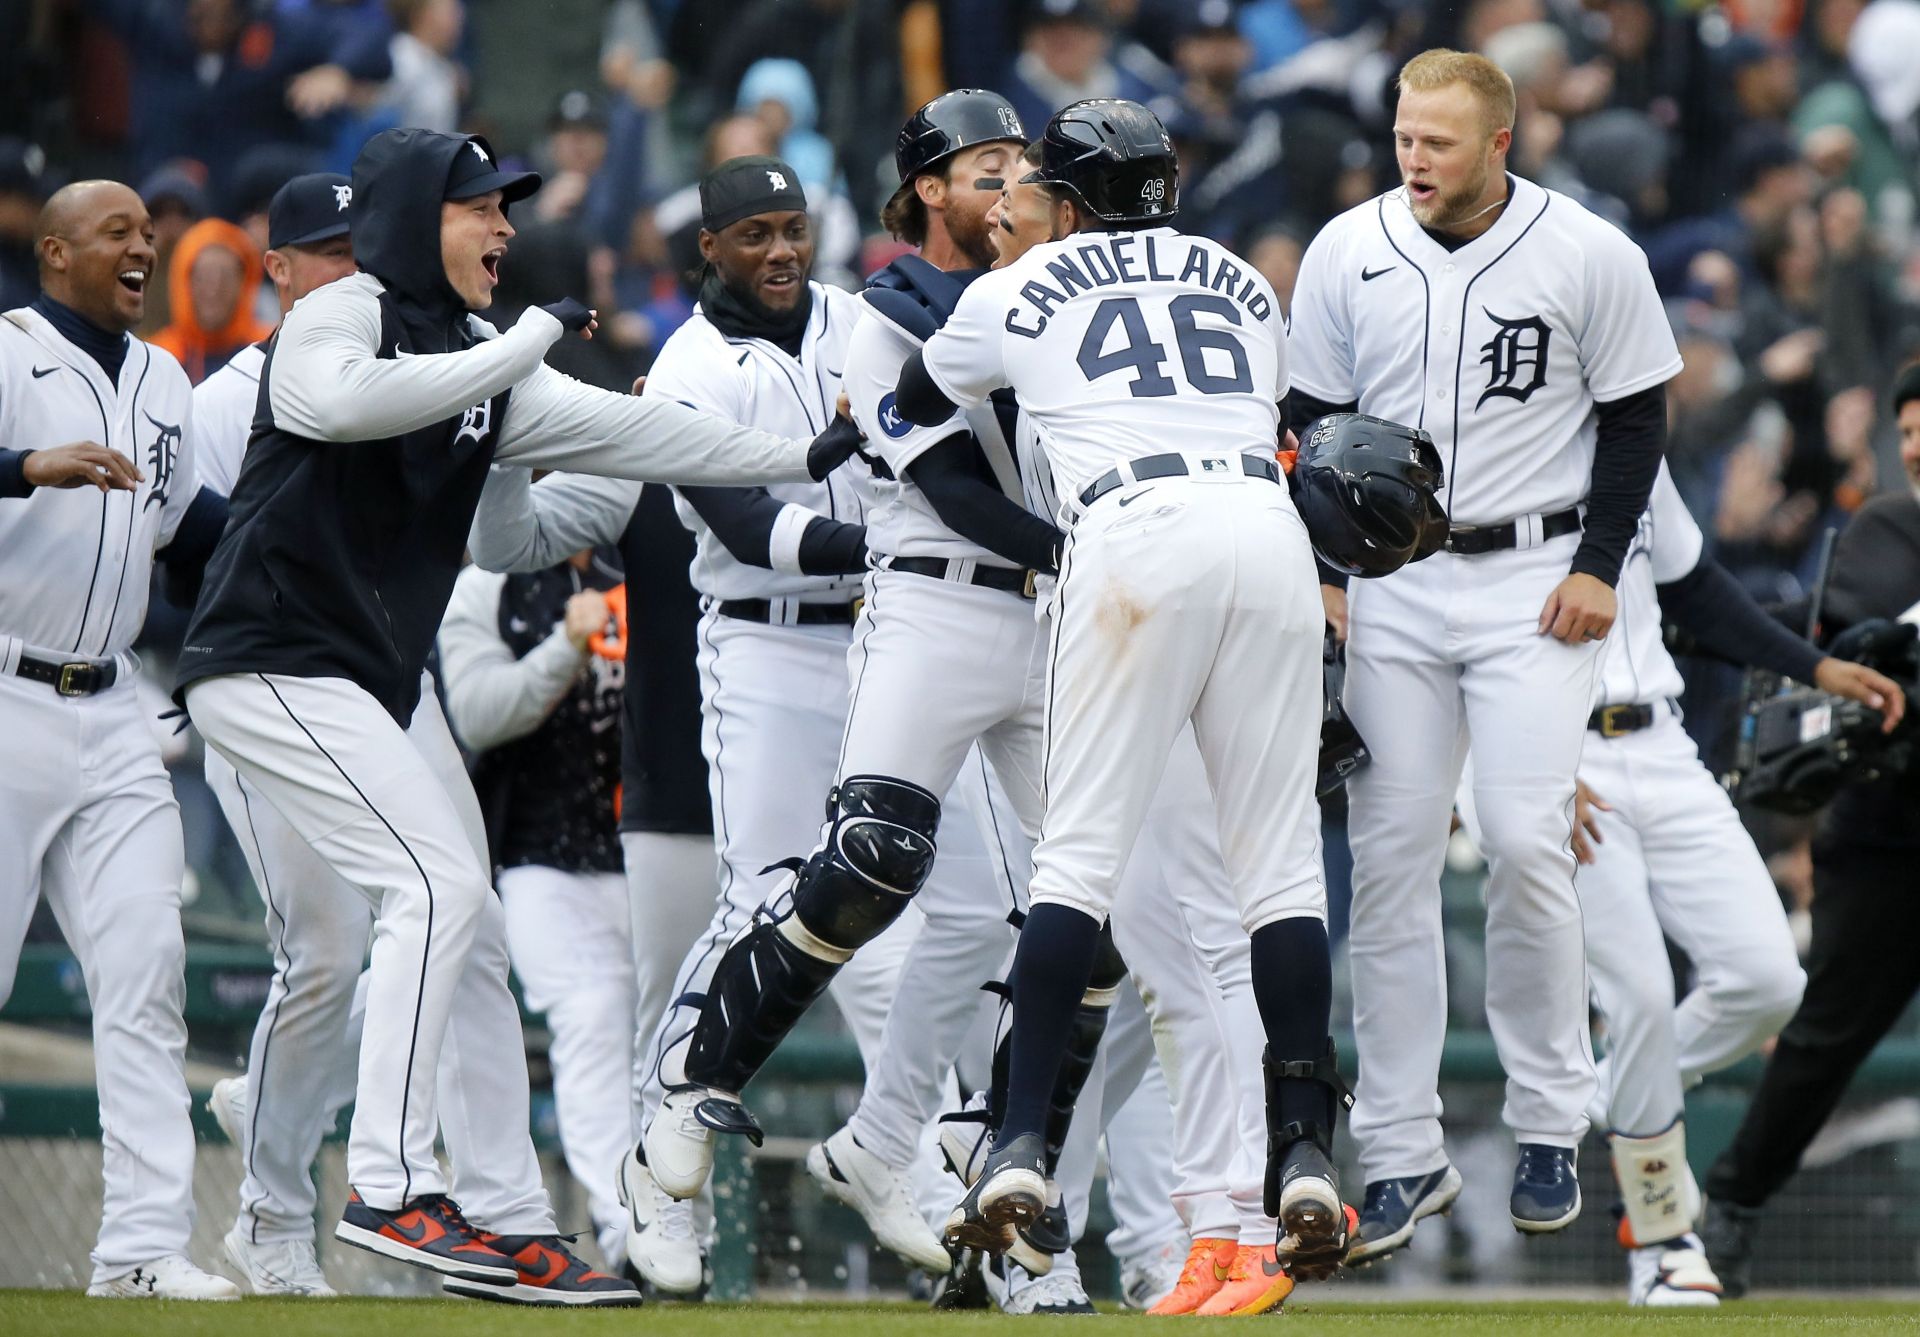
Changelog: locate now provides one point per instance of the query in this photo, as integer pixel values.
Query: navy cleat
(1728, 1229)
(1011, 1192)
(1395, 1206)
(1546, 1189)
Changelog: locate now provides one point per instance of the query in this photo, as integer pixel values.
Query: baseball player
(1183, 596)
(1535, 362)
(299, 1064)
(1664, 856)
(96, 478)
(527, 688)
(303, 660)
(774, 568)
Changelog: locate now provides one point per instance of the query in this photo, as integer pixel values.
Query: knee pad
(761, 988)
(877, 854)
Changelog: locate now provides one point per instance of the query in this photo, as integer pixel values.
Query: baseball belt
(1174, 466)
(1006, 579)
(805, 615)
(82, 677)
(1473, 540)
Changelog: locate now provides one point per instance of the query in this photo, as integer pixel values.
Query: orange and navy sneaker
(1209, 1262)
(1257, 1283)
(428, 1232)
(549, 1274)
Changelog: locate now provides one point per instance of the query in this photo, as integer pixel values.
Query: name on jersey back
(1120, 258)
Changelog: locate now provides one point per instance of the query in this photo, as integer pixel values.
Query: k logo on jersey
(1515, 358)
(891, 422)
(161, 456)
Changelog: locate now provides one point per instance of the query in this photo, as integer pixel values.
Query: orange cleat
(1256, 1284)
(1209, 1263)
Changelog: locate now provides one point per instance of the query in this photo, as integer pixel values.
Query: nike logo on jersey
(38, 372)
(1369, 275)
(1128, 501)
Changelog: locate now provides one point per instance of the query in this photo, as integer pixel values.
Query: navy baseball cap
(475, 171)
(309, 209)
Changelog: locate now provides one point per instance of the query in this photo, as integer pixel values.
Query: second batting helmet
(1116, 156)
(951, 122)
(1368, 492)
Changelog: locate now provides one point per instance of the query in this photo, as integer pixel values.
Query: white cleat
(278, 1267)
(679, 1141)
(660, 1239)
(1147, 1279)
(228, 1102)
(1062, 1294)
(1673, 1275)
(169, 1278)
(854, 1177)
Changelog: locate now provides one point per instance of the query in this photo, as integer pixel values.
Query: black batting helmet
(1116, 156)
(1368, 492)
(951, 122)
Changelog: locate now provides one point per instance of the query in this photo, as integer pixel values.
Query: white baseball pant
(1440, 652)
(1675, 862)
(774, 703)
(568, 936)
(89, 820)
(384, 810)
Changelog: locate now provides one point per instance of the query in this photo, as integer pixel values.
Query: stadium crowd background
(1763, 152)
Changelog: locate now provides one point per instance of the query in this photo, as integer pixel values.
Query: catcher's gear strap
(914, 297)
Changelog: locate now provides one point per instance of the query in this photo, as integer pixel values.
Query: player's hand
(1580, 609)
(81, 464)
(1857, 682)
(639, 385)
(318, 91)
(1586, 826)
(586, 615)
(1334, 600)
(574, 316)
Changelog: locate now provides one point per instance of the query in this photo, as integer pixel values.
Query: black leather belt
(81, 677)
(987, 577)
(1472, 540)
(1617, 721)
(1170, 466)
(804, 615)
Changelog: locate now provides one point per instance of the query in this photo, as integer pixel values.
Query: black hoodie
(338, 560)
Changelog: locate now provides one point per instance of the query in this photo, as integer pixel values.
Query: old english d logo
(161, 456)
(475, 423)
(1515, 358)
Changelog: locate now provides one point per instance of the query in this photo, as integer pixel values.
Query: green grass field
(65, 1314)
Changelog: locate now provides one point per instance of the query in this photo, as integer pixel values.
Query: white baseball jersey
(755, 382)
(90, 553)
(1499, 348)
(903, 523)
(1119, 345)
(1635, 666)
(223, 408)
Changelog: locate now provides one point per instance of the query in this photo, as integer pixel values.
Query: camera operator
(1862, 969)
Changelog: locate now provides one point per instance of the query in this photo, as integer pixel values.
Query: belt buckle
(1027, 590)
(859, 604)
(1610, 726)
(1459, 531)
(69, 673)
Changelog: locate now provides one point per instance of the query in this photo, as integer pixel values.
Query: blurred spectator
(175, 201)
(22, 191)
(428, 83)
(780, 93)
(1771, 181)
(1068, 53)
(571, 156)
(522, 56)
(1276, 252)
(214, 275)
(213, 78)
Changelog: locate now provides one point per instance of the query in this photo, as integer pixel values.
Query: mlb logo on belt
(1214, 466)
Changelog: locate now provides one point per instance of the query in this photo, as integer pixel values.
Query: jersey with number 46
(1119, 345)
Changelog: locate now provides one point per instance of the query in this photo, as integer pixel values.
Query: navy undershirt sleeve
(1626, 460)
(1711, 606)
(742, 518)
(916, 398)
(13, 478)
(980, 512)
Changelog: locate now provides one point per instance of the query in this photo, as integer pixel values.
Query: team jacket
(382, 403)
